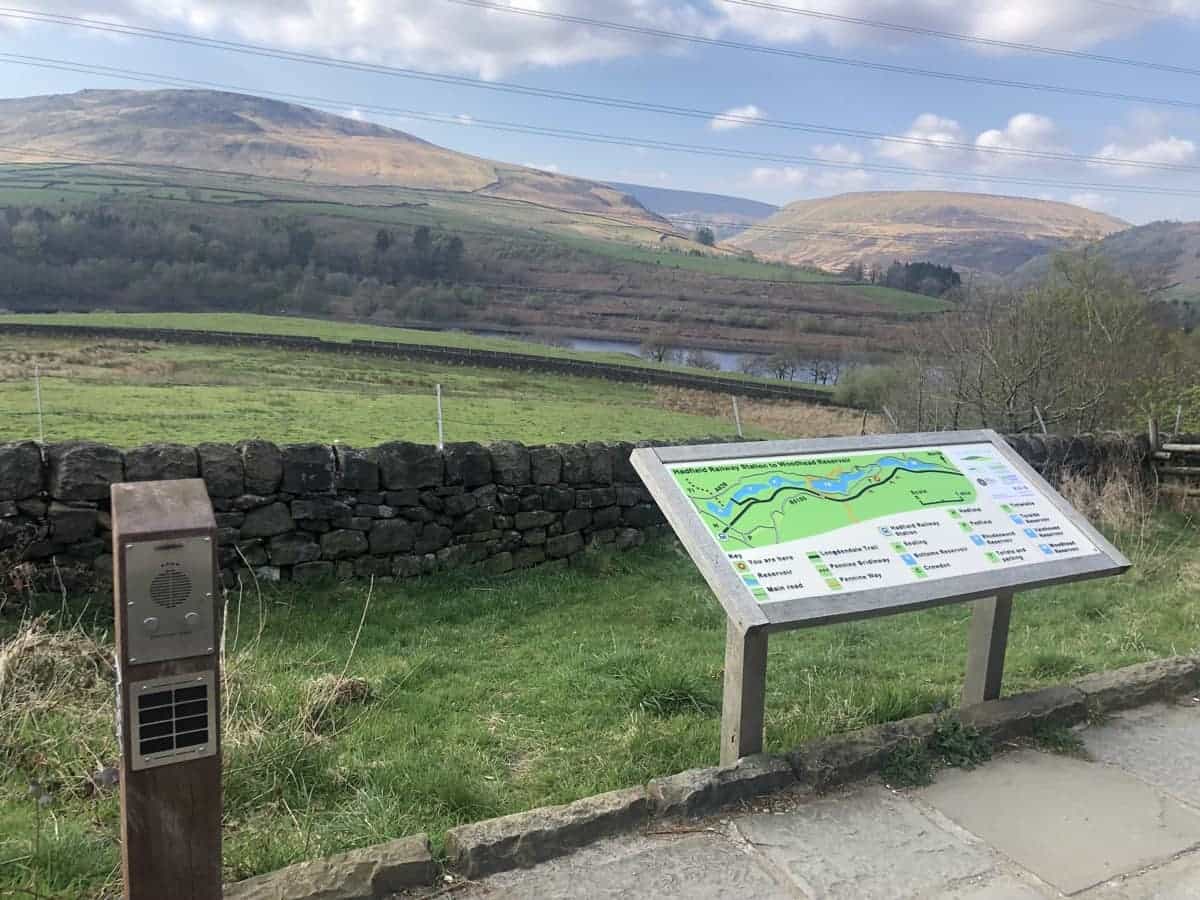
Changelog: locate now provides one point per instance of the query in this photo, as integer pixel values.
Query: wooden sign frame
(751, 621)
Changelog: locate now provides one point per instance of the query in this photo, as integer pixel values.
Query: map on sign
(813, 524)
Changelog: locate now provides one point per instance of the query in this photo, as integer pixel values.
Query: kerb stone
(525, 839)
(1137, 685)
(369, 873)
(698, 792)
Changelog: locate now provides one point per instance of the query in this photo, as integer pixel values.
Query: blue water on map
(839, 485)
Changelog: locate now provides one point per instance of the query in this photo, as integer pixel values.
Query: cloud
(433, 35)
(837, 153)
(1166, 150)
(1024, 131)
(832, 181)
(737, 117)
(926, 129)
(542, 167)
(782, 176)
(1092, 200)
(356, 114)
(1070, 24)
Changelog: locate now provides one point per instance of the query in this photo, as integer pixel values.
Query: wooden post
(986, 645)
(737, 418)
(742, 712)
(168, 689)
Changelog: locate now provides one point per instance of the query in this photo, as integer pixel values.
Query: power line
(567, 96)
(965, 38)
(827, 58)
(593, 137)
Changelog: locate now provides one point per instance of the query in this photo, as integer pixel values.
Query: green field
(751, 504)
(491, 695)
(344, 332)
(129, 393)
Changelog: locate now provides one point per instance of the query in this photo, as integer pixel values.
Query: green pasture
(491, 695)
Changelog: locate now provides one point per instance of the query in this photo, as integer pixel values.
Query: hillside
(236, 133)
(726, 215)
(968, 231)
(1161, 255)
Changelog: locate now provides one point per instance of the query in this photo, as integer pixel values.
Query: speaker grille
(171, 586)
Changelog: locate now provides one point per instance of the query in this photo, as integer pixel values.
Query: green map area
(758, 504)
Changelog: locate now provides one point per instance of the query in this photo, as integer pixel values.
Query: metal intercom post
(168, 689)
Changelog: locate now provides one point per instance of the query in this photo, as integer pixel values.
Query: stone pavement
(1121, 825)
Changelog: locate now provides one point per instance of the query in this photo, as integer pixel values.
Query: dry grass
(1115, 499)
(787, 418)
(55, 685)
(124, 360)
(325, 695)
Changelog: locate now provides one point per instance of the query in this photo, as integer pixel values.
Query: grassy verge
(493, 695)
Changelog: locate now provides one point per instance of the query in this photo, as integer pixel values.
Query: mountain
(237, 133)
(1164, 256)
(726, 215)
(968, 231)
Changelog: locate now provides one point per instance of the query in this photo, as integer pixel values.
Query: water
(729, 361)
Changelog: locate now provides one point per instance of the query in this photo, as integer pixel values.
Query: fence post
(441, 429)
(37, 392)
(737, 419)
(1178, 419)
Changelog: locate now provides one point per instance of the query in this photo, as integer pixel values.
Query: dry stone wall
(395, 511)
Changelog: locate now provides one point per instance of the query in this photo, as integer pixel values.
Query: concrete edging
(524, 839)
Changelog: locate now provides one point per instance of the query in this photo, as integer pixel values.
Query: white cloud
(782, 176)
(490, 43)
(356, 114)
(543, 167)
(926, 130)
(1166, 150)
(837, 153)
(1058, 23)
(433, 35)
(1024, 131)
(1092, 200)
(737, 117)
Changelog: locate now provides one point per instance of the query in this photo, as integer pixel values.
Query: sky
(762, 116)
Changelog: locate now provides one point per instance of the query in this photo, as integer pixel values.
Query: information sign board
(795, 533)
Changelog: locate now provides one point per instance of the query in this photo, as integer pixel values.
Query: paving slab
(1159, 744)
(692, 867)
(868, 842)
(1177, 880)
(997, 886)
(1072, 823)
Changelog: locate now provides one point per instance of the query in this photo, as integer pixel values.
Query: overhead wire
(981, 40)
(576, 96)
(831, 59)
(599, 138)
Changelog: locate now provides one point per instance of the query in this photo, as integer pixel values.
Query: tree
(704, 235)
(854, 271)
(301, 243)
(658, 348)
(383, 240)
(701, 359)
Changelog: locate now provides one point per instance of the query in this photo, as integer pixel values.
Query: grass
(344, 332)
(497, 694)
(129, 393)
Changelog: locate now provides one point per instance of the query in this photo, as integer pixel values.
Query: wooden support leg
(745, 694)
(987, 643)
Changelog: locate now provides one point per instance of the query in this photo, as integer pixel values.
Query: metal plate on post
(169, 599)
(172, 720)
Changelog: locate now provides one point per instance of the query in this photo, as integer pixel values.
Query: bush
(868, 387)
